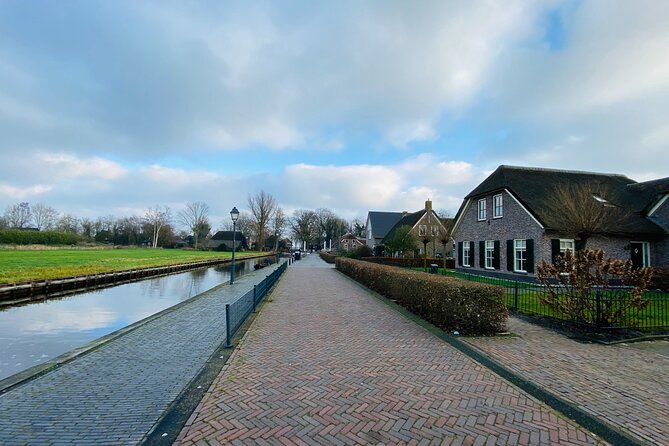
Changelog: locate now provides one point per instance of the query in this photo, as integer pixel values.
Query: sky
(109, 108)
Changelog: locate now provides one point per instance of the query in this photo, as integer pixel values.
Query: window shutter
(481, 254)
(459, 253)
(555, 248)
(509, 255)
(495, 256)
(530, 255)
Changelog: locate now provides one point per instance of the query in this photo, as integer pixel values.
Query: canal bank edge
(15, 380)
(25, 292)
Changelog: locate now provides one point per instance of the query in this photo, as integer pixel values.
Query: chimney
(428, 205)
(405, 213)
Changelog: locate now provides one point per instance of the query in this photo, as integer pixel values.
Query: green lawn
(17, 265)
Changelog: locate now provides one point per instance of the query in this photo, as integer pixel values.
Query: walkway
(325, 362)
(116, 393)
(624, 385)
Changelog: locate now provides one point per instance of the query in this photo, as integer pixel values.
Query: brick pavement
(116, 393)
(325, 362)
(622, 385)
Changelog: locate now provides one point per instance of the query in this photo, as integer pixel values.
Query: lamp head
(234, 214)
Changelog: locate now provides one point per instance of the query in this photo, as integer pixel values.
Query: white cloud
(12, 193)
(176, 178)
(72, 166)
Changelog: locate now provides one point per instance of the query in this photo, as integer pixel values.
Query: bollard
(228, 343)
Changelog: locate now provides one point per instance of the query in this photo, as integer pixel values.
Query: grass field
(23, 265)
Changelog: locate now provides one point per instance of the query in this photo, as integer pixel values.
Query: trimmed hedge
(449, 303)
(411, 262)
(328, 257)
(19, 237)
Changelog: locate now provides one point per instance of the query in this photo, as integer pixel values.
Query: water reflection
(40, 331)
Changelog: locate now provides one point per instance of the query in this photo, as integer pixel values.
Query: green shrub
(449, 303)
(328, 257)
(410, 262)
(21, 237)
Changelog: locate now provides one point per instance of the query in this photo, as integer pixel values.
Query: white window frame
(466, 250)
(422, 230)
(435, 231)
(563, 248)
(482, 214)
(489, 254)
(520, 255)
(495, 206)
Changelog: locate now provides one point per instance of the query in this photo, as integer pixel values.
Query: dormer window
(482, 210)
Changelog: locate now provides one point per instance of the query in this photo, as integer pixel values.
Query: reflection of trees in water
(153, 288)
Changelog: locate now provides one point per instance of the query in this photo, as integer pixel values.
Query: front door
(639, 254)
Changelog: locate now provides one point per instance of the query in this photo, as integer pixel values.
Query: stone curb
(605, 431)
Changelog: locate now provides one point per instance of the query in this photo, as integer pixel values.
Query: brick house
(348, 242)
(378, 224)
(426, 225)
(506, 225)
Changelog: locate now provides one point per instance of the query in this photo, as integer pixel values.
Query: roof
(382, 222)
(227, 235)
(534, 187)
(407, 220)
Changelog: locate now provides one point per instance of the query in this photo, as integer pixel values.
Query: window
(640, 254)
(422, 230)
(435, 231)
(566, 245)
(490, 254)
(482, 213)
(497, 211)
(465, 253)
(520, 255)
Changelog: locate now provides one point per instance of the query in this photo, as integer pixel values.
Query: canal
(37, 332)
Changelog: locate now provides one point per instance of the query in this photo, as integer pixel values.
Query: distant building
(348, 242)
(225, 238)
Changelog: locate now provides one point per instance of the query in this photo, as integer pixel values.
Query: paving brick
(337, 366)
(622, 385)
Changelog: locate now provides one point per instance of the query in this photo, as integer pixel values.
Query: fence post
(515, 297)
(228, 343)
(254, 298)
(598, 304)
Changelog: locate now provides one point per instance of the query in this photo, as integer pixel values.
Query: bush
(19, 237)
(410, 262)
(586, 287)
(449, 303)
(329, 258)
(660, 280)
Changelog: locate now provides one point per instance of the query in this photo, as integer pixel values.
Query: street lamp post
(234, 215)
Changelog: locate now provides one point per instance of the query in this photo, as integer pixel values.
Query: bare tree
(157, 218)
(357, 228)
(279, 223)
(304, 225)
(196, 218)
(583, 210)
(262, 206)
(87, 227)
(68, 223)
(18, 215)
(44, 217)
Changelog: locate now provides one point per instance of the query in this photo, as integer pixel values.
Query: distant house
(513, 220)
(428, 227)
(348, 242)
(225, 238)
(378, 225)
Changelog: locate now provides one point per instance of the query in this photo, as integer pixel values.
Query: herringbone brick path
(620, 384)
(327, 363)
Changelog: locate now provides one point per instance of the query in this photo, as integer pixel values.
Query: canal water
(37, 332)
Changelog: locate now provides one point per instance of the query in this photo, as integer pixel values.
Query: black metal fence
(600, 309)
(237, 312)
